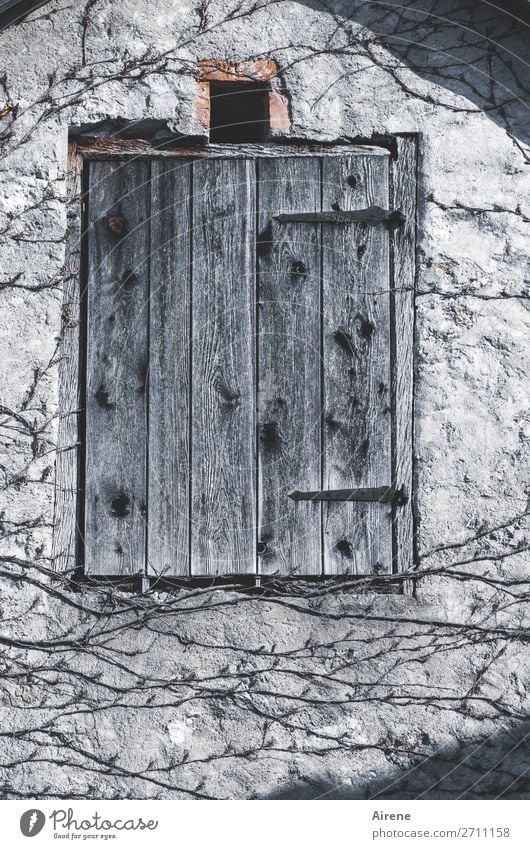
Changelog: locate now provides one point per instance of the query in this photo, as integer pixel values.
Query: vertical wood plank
(404, 249)
(65, 530)
(117, 321)
(223, 527)
(289, 390)
(357, 380)
(169, 366)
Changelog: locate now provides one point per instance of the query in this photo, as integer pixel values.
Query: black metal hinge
(372, 215)
(380, 494)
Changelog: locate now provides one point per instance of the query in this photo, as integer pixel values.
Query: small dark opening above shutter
(239, 112)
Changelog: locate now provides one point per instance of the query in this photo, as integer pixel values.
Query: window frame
(67, 547)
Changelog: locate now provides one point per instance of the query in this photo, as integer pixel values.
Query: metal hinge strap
(372, 215)
(381, 494)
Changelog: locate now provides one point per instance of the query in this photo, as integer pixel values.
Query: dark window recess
(239, 112)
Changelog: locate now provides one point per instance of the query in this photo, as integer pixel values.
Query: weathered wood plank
(289, 392)
(107, 147)
(404, 250)
(223, 530)
(118, 291)
(169, 370)
(65, 530)
(356, 358)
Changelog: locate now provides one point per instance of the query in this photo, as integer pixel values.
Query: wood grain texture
(104, 148)
(223, 463)
(356, 363)
(289, 401)
(404, 251)
(169, 370)
(65, 528)
(117, 322)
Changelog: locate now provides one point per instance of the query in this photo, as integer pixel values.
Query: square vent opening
(239, 112)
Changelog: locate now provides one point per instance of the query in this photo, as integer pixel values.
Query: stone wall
(348, 691)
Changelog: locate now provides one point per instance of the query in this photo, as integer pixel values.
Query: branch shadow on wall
(472, 50)
(488, 768)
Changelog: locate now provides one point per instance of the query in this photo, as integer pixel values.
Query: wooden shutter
(233, 358)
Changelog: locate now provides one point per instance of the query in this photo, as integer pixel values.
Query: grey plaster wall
(347, 692)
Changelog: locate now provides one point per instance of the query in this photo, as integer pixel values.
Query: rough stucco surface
(219, 694)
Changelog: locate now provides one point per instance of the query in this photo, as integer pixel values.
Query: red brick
(261, 70)
(202, 104)
(278, 111)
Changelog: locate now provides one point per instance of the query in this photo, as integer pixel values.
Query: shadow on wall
(474, 50)
(488, 768)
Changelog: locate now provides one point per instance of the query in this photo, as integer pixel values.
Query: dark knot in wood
(129, 279)
(396, 219)
(271, 437)
(363, 448)
(231, 397)
(366, 327)
(332, 423)
(102, 397)
(344, 340)
(120, 506)
(298, 271)
(117, 225)
(345, 548)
